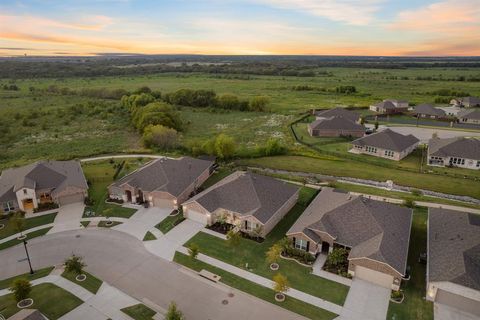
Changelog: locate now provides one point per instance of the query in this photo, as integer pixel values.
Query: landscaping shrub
(45, 206)
(337, 261)
(21, 289)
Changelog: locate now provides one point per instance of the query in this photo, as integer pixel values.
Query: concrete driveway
(142, 221)
(365, 301)
(425, 134)
(444, 312)
(123, 262)
(68, 217)
(166, 245)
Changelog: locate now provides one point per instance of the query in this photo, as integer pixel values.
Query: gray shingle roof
(53, 175)
(471, 101)
(169, 175)
(387, 104)
(468, 148)
(373, 229)
(428, 109)
(454, 247)
(338, 112)
(247, 193)
(469, 114)
(387, 139)
(335, 123)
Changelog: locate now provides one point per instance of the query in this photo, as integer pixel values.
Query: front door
(27, 204)
(129, 195)
(140, 196)
(325, 247)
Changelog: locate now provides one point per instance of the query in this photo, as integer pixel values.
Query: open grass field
(253, 253)
(51, 300)
(414, 306)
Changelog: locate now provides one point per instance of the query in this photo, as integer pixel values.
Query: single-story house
(470, 116)
(163, 182)
(247, 200)
(453, 260)
(390, 106)
(337, 112)
(457, 152)
(28, 187)
(466, 102)
(428, 111)
(451, 111)
(335, 127)
(376, 233)
(386, 144)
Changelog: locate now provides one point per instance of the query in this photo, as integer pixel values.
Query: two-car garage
(195, 215)
(458, 302)
(71, 198)
(379, 278)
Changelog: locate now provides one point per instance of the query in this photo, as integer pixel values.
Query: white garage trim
(379, 278)
(458, 302)
(196, 216)
(163, 203)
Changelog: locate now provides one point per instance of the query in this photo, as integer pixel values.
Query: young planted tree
(18, 222)
(273, 254)
(193, 251)
(21, 289)
(74, 264)
(173, 313)
(233, 238)
(280, 285)
(376, 125)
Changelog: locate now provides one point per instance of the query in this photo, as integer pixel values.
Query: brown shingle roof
(469, 114)
(387, 139)
(335, 123)
(169, 175)
(468, 148)
(338, 112)
(454, 247)
(247, 193)
(428, 109)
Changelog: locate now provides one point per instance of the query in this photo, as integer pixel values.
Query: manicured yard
(344, 167)
(253, 253)
(51, 300)
(256, 290)
(169, 223)
(9, 230)
(149, 236)
(92, 283)
(139, 312)
(414, 306)
(30, 236)
(5, 283)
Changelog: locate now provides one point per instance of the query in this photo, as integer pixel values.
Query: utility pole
(28, 256)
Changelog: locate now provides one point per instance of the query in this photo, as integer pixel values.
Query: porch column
(330, 249)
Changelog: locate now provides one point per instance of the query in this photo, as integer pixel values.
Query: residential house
(466, 102)
(335, 127)
(250, 201)
(469, 116)
(163, 182)
(376, 234)
(29, 187)
(453, 261)
(457, 152)
(386, 144)
(390, 106)
(337, 112)
(451, 111)
(428, 111)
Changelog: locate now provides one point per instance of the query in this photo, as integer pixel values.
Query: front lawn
(253, 253)
(9, 230)
(30, 236)
(414, 306)
(91, 283)
(169, 223)
(139, 312)
(267, 294)
(49, 299)
(149, 236)
(5, 283)
(103, 224)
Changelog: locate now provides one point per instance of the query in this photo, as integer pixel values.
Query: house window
(301, 244)
(8, 206)
(371, 149)
(389, 153)
(24, 191)
(249, 226)
(457, 161)
(358, 147)
(478, 164)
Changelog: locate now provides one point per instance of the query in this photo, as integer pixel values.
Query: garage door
(163, 203)
(458, 302)
(373, 276)
(196, 216)
(72, 198)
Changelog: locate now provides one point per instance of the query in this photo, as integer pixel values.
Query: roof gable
(387, 139)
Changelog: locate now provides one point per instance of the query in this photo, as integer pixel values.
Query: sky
(241, 27)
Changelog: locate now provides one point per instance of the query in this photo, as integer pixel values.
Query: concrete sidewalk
(16, 235)
(305, 297)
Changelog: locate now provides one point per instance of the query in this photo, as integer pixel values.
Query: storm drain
(225, 301)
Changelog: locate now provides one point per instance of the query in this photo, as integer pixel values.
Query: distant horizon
(388, 28)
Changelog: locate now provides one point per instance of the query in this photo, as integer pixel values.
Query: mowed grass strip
(347, 168)
(292, 304)
(91, 283)
(169, 223)
(9, 229)
(49, 299)
(139, 312)
(6, 283)
(415, 306)
(253, 253)
(30, 236)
